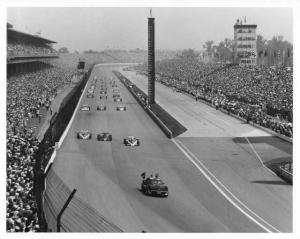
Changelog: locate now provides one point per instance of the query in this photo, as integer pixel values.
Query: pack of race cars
(151, 186)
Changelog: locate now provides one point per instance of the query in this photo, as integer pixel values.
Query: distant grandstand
(26, 52)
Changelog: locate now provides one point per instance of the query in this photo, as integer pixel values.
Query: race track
(242, 198)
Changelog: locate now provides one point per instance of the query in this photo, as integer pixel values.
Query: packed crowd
(17, 49)
(263, 95)
(26, 94)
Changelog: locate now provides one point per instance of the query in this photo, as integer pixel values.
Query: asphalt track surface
(216, 183)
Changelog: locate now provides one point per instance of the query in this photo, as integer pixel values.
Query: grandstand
(26, 52)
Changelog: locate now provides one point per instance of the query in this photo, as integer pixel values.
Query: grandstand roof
(17, 35)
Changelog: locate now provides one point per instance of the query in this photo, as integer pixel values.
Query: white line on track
(73, 116)
(257, 155)
(222, 188)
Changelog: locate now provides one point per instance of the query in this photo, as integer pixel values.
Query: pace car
(131, 141)
(85, 108)
(84, 134)
(117, 99)
(101, 107)
(121, 108)
(104, 137)
(154, 186)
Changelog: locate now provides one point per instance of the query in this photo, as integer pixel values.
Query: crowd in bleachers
(27, 49)
(263, 95)
(26, 94)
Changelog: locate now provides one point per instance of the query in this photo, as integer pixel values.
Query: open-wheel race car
(90, 91)
(117, 99)
(84, 134)
(116, 96)
(85, 108)
(103, 92)
(101, 107)
(104, 137)
(131, 141)
(121, 108)
(90, 95)
(154, 186)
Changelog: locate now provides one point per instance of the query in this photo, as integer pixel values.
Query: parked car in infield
(103, 92)
(131, 141)
(154, 186)
(121, 108)
(101, 107)
(85, 108)
(117, 99)
(116, 91)
(84, 134)
(90, 95)
(104, 137)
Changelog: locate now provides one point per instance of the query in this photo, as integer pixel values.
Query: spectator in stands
(26, 94)
(257, 94)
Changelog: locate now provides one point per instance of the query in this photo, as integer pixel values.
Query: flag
(143, 175)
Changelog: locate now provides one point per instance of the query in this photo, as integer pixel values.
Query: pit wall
(170, 126)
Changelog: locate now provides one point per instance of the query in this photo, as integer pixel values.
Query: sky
(126, 28)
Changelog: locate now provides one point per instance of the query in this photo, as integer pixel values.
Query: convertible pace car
(84, 134)
(85, 108)
(121, 108)
(101, 107)
(131, 141)
(117, 99)
(104, 137)
(154, 186)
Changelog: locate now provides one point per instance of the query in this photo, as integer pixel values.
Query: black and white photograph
(149, 118)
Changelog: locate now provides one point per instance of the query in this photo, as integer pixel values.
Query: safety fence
(78, 215)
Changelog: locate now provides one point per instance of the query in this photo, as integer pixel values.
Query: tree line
(276, 51)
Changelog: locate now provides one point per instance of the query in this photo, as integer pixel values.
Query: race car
(121, 108)
(89, 95)
(131, 141)
(117, 99)
(85, 108)
(116, 96)
(84, 134)
(104, 137)
(101, 107)
(90, 91)
(103, 92)
(116, 91)
(103, 97)
(154, 186)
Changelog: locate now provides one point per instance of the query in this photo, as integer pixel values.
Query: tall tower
(245, 43)
(151, 61)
